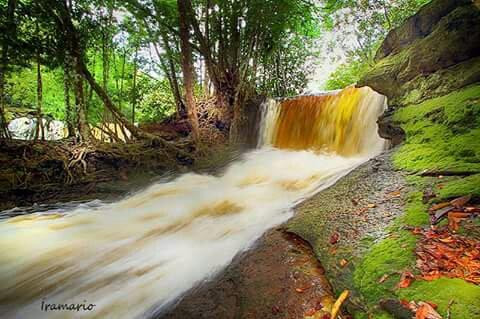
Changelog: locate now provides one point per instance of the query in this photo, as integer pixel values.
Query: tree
(367, 24)
(10, 29)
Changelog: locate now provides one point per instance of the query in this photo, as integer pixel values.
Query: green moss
(460, 187)
(466, 296)
(442, 133)
(391, 255)
(415, 211)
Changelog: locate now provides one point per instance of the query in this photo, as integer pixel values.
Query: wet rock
(244, 128)
(387, 129)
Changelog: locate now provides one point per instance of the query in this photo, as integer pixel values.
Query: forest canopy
(132, 62)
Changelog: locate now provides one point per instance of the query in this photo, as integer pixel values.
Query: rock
(388, 130)
(244, 129)
(448, 44)
(417, 26)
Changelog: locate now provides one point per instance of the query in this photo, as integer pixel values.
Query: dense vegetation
(125, 61)
(359, 28)
(129, 62)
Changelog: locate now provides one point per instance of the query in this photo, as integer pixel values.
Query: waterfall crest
(341, 122)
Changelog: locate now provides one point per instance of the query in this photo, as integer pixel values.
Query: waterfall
(343, 122)
(136, 256)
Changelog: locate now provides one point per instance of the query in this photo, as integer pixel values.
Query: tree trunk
(134, 89)
(187, 67)
(122, 77)
(39, 127)
(76, 52)
(83, 127)
(10, 26)
(170, 71)
(173, 76)
(69, 116)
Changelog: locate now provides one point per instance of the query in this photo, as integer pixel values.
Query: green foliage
(370, 21)
(434, 126)
(347, 74)
(23, 95)
(156, 102)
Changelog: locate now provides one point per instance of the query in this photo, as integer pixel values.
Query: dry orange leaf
(426, 311)
(406, 279)
(439, 206)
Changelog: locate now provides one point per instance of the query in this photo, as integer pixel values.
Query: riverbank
(429, 70)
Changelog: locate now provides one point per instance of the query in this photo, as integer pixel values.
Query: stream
(133, 257)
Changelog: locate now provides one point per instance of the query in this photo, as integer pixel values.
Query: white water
(135, 256)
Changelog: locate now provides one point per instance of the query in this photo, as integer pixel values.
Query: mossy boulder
(453, 39)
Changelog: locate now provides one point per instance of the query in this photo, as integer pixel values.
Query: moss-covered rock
(429, 68)
(453, 39)
(417, 26)
(465, 296)
(442, 133)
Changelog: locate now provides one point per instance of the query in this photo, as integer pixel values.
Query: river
(132, 257)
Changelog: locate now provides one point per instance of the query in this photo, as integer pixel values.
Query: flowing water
(135, 256)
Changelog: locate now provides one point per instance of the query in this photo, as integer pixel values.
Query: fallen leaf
(394, 194)
(431, 276)
(441, 253)
(454, 219)
(460, 201)
(336, 306)
(438, 206)
(383, 278)
(406, 279)
(426, 311)
(334, 238)
(343, 262)
(310, 312)
(371, 205)
(302, 289)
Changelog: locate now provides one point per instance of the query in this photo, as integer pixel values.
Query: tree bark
(69, 116)
(173, 75)
(187, 67)
(134, 88)
(39, 127)
(4, 133)
(83, 127)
